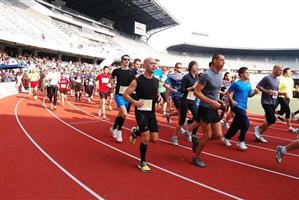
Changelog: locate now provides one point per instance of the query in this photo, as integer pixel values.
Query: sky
(258, 24)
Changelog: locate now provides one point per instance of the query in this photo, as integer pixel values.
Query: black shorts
(163, 95)
(207, 115)
(104, 95)
(270, 113)
(177, 102)
(146, 121)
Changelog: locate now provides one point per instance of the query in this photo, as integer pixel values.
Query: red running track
(69, 154)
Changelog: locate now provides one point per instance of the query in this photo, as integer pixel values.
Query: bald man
(147, 95)
(269, 86)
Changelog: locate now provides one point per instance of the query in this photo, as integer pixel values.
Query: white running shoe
(119, 137)
(292, 130)
(226, 125)
(258, 135)
(182, 131)
(263, 140)
(113, 132)
(242, 145)
(174, 140)
(226, 142)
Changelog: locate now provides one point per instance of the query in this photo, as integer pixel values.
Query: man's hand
(138, 104)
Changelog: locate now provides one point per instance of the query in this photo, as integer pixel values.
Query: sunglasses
(128, 59)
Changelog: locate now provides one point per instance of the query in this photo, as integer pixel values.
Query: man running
(269, 86)
(124, 76)
(207, 90)
(238, 94)
(146, 87)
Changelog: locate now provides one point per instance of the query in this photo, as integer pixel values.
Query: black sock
(142, 149)
(116, 122)
(194, 131)
(120, 122)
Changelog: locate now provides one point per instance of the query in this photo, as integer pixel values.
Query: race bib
(191, 96)
(63, 86)
(105, 80)
(275, 94)
(122, 89)
(147, 105)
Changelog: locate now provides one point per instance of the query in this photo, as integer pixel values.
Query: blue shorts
(120, 101)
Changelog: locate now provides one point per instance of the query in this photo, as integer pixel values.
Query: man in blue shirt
(238, 94)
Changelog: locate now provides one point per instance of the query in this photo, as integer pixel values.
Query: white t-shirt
(53, 78)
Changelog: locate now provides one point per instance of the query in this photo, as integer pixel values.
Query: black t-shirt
(187, 81)
(123, 77)
(147, 89)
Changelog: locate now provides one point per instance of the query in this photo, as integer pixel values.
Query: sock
(120, 122)
(194, 131)
(116, 122)
(284, 150)
(142, 148)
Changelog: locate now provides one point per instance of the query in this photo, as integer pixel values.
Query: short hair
(216, 56)
(242, 70)
(177, 64)
(136, 60)
(210, 64)
(193, 62)
(124, 56)
(285, 70)
(106, 67)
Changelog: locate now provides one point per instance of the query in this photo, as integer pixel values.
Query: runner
(269, 86)
(207, 90)
(104, 90)
(124, 76)
(63, 88)
(238, 94)
(146, 87)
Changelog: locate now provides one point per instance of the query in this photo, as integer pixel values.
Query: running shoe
(258, 135)
(226, 125)
(133, 135)
(226, 142)
(197, 162)
(119, 137)
(113, 132)
(144, 167)
(279, 154)
(292, 130)
(242, 145)
(174, 140)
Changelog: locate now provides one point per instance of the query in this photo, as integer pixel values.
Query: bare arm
(127, 95)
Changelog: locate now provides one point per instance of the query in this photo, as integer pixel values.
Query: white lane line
(85, 187)
(213, 155)
(134, 157)
(251, 133)
(85, 122)
(165, 125)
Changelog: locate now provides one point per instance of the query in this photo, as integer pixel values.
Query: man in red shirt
(63, 87)
(104, 89)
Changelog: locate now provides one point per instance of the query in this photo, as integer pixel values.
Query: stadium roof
(196, 49)
(125, 12)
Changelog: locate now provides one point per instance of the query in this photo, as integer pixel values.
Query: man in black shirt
(123, 76)
(146, 87)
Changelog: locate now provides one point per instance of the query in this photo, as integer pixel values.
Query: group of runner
(211, 99)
